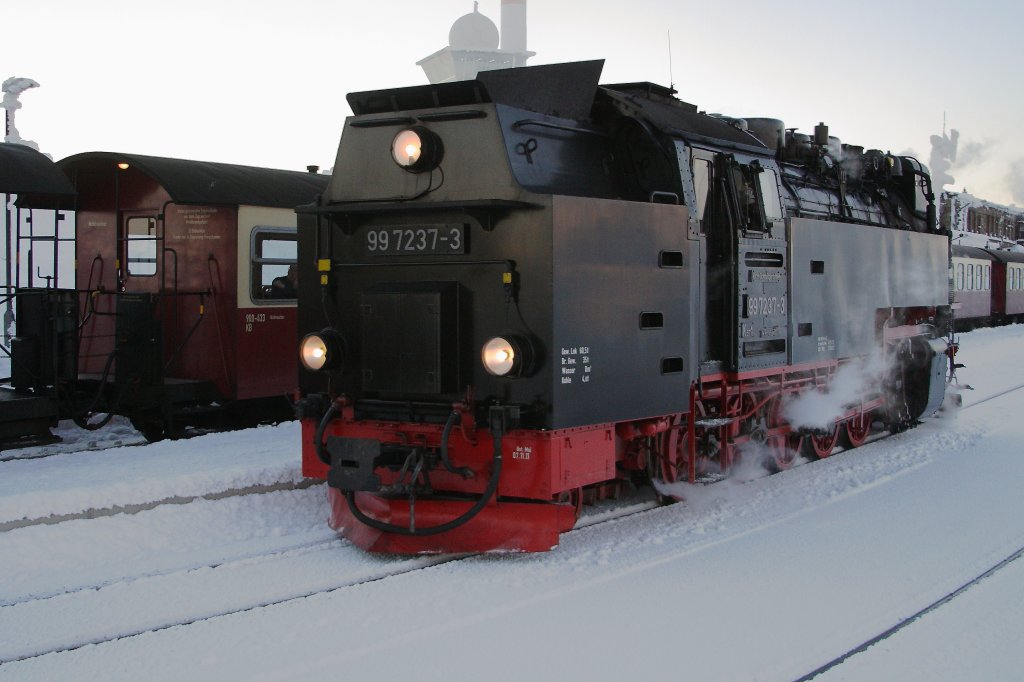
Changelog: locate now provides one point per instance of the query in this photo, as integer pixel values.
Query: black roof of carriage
(1005, 256)
(972, 252)
(37, 180)
(207, 182)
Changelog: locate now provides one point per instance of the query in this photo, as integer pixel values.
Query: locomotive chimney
(821, 135)
(313, 169)
(513, 25)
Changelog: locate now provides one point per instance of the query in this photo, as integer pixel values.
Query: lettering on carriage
(254, 318)
(575, 364)
(196, 215)
(195, 220)
(826, 344)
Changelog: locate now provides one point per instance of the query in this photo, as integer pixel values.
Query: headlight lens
(417, 149)
(321, 350)
(500, 356)
(406, 148)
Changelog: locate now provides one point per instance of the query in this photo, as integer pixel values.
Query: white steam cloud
(942, 158)
(1015, 179)
(819, 409)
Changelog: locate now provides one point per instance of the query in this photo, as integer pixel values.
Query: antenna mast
(671, 78)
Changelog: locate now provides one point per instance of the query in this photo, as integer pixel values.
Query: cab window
(770, 194)
(701, 185)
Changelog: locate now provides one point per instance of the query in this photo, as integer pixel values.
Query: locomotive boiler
(524, 292)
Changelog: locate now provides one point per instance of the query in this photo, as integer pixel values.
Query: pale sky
(262, 82)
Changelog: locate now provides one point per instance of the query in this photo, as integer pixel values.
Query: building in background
(960, 211)
(475, 44)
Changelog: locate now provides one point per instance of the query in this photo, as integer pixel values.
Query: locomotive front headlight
(321, 350)
(417, 149)
(499, 356)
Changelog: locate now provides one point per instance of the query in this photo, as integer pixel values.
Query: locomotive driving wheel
(855, 431)
(670, 462)
(820, 445)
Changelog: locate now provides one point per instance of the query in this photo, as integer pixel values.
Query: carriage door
(140, 253)
(137, 321)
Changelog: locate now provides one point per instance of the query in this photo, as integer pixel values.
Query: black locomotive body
(521, 292)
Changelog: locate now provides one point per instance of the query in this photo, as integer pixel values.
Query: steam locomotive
(527, 291)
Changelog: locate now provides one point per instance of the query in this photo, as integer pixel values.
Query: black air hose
(82, 420)
(465, 472)
(485, 497)
(318, 441)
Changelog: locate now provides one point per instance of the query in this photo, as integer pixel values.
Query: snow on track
(722, 569)
(767, 579)
(75, 483)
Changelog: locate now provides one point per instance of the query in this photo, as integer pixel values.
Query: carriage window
(141, 238)
(274, 253)
(959, 276)
(986, 278)
(970, 276)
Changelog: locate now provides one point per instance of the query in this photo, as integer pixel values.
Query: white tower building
(473, 45)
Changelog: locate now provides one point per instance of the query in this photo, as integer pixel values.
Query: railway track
(61, 448)
(68, 637)
(937, 603)
(913, 618)
(99, 512)
(318, 554)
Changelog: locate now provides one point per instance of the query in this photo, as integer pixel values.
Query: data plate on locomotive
(417, 240)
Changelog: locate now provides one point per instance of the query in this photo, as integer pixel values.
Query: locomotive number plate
(417, 240)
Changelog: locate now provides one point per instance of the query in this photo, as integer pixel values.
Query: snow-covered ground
(767, 579)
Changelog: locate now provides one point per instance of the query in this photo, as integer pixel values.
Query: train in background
(988, 286)
(528, 291)
(181, 313)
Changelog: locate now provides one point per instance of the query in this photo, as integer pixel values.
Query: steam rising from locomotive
(524, 292)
